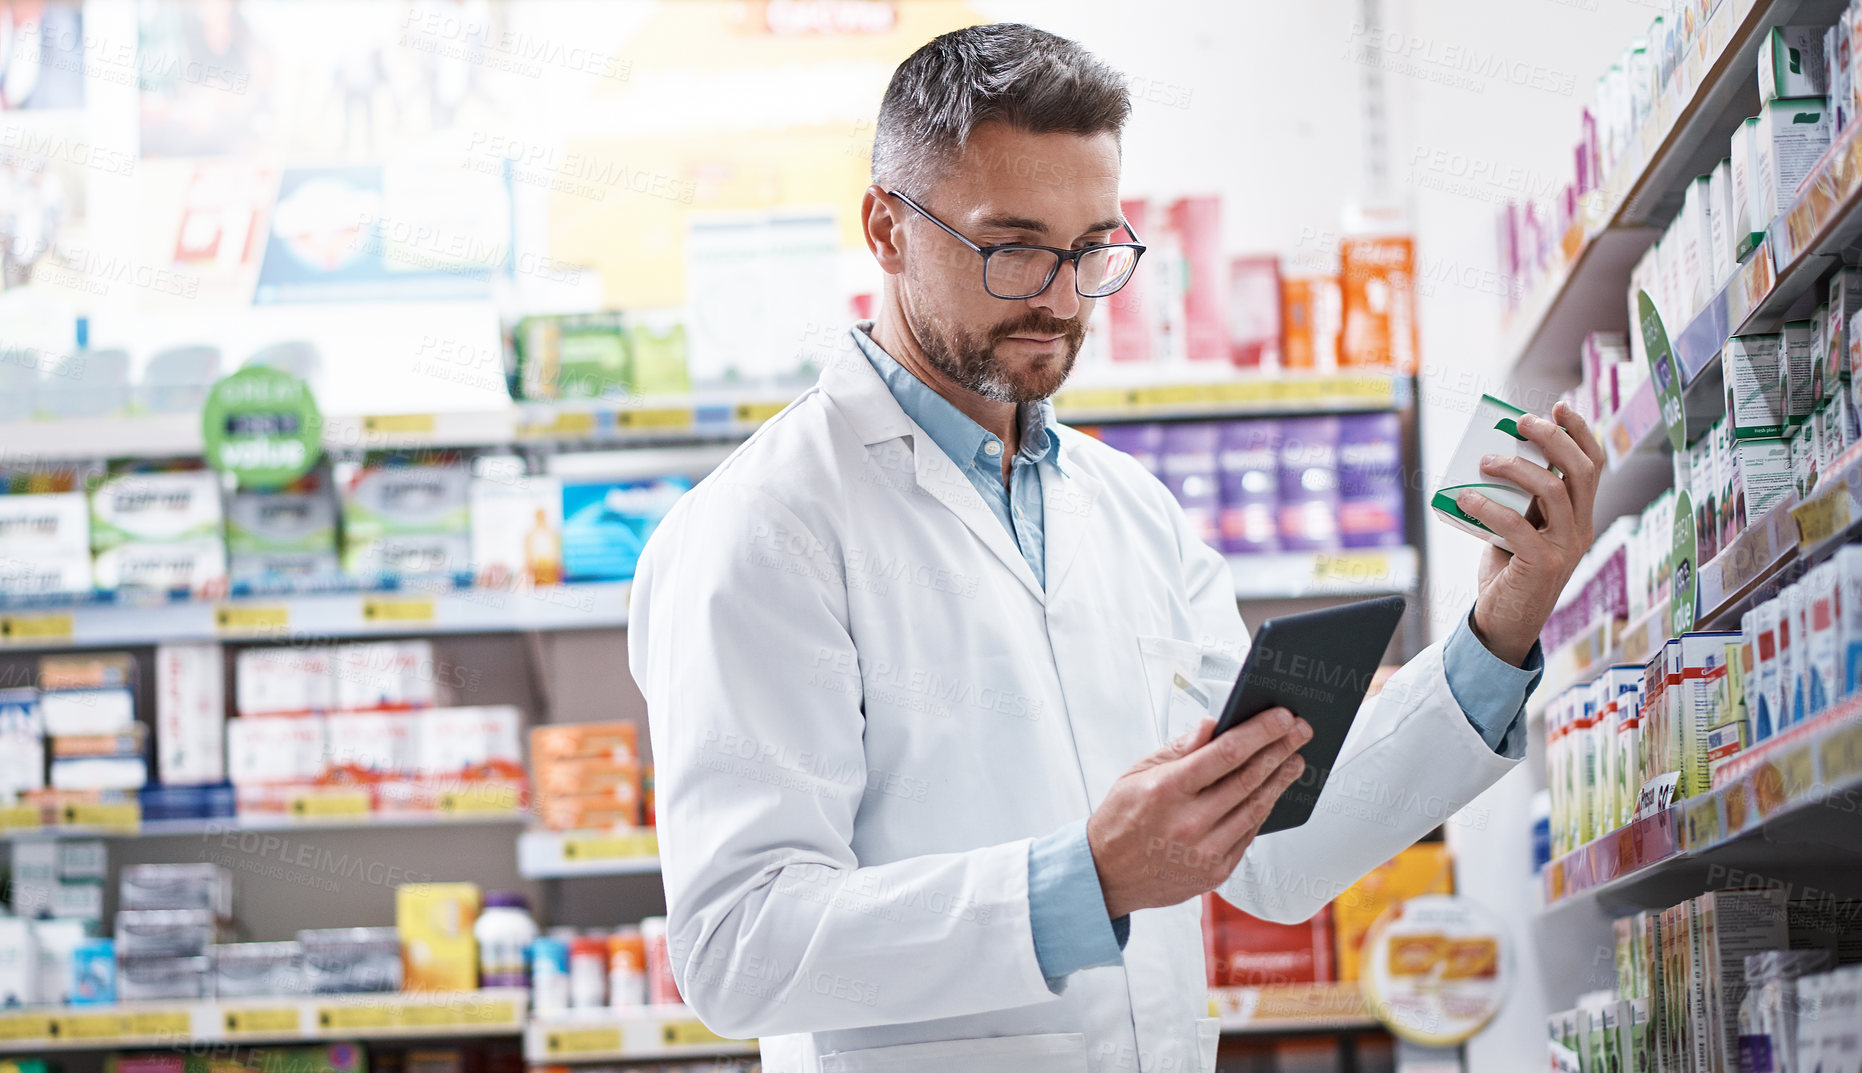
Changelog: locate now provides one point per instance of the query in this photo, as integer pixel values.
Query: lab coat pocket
(1178, 700)
(1056, 1052)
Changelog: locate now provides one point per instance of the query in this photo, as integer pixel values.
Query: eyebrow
(1007, 222)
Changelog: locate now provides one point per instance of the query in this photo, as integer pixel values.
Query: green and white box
(406, 520)
(1493, 430)
(284, 534)
(1797, 371)
(1749, 216)
(1791, 63)
(1793, 133)
(158, 530)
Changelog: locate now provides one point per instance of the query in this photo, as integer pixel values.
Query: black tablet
(1318, 665)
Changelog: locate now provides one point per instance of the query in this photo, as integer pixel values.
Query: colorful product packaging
(1247, 462)
(1308, 482)
(283, 536)
(1370, 477)
(406, 516)
(1378, 278)
(1254, 312)
(1189, 464)
(1424, 868)
(438, 949)
(190, 709)
(1493, 429)
(45, 543)
(606, 524)
(1753, 399)
(158, 530)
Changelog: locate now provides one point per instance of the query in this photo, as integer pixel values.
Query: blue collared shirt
(1066, 907)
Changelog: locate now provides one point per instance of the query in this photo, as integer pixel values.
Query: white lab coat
(863, 709)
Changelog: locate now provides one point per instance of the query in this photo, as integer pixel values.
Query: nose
(1062, 298)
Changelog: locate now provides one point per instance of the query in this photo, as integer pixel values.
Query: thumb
(1181, 746)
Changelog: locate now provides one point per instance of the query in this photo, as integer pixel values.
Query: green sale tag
(1686, 566)
(262, 426)
(1663, 372)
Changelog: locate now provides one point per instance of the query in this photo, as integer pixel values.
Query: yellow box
(1424, 868)
(438, 951)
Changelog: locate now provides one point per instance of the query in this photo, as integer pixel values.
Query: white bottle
(504, 932)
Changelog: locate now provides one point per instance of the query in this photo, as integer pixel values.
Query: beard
(969, 358)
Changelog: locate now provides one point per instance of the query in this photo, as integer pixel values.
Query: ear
(884, 229)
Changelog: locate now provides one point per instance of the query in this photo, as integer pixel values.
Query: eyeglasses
(1014, 271)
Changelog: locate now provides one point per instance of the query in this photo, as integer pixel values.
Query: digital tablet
(1318, 665)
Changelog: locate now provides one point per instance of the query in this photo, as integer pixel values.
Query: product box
(1703, 665)
(157, 530)
(1845, 301)
(176, 886)
(617, 740)
(1794, 647)
(346, 960)
(1311, 315)
(1847, 563)
(257, 970)
(276, 749)
(1254, 312)
(1189, 465)
(83, 858)
(284, 681)
(1763, 472)
(190, 714)
(1720, 224)
(1771, 630)
(44, 544)
(516, 525)
(165, 933)
(1370, 480)
(93, 970)
(589, 813)
(1791, 63)
(1378, 286)
(1424, 868)
(19, 963)
(78, 899)
(149, 979)
(392, 675)
(1792, 133)
(607, 523)
(457, 741)
(1247, 461)
(77, 712)
(1798, 386)
(405, 519)
(106, 670)
(1251, 952)
(128, 743)
(607, 777)
(99, 773)
(1823, 675)
(435, 925)
(1748, 198)
(1622, 685)
(22, 742)
(56, 941)
(1734, 924)
(1753, 387)
(1308, 484)
(1493, 429)
(1134, 311)
(1196, 223)
(283, 536)
(367, 745)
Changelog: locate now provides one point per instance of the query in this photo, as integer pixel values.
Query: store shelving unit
(384, 1016)
(666, 1032)
(126, 822)
(562, 854)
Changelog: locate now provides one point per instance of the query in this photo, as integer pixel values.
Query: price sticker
(1096, 398)
(332, 803)
(562, 423)
(490, 1012)
(251, 619)
(570, 1042)
(755, 413)
(478, 800)
(272, 1021)
(1841, 755)
(611, 847)
(1172, 395)
(436, 1015)
(1256, 393)
(116, 815)
(1352, 569)
(24, 1026)
(399, 424)
(88, 1026)
(354, 1018)
(36, 629)
(397, 610)
(1821, 518)
(1796, 774)
(689, 1034)
(159, 1024)
(1701, 818)
(14, 817)
(655, 418)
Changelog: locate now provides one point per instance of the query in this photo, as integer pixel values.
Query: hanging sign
(1662, 371)
(262, 426)
(1436, 969)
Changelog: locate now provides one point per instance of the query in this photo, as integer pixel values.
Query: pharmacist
(925, 799)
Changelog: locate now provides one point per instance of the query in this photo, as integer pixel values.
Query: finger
(1232, 789)
(1524, 538)
(1579, 429)
(1244, 821)
(1577, 468)
(1549, 493)
(1231, 750)
(1182, 745)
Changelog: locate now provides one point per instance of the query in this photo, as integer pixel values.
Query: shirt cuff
(1491, 691)
(1067, 909)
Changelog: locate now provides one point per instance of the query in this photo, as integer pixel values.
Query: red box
(1251, 952)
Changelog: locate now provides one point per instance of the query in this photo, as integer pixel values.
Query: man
(929, 795)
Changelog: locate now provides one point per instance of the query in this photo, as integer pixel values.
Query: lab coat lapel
(1070, 501)
(862, 397)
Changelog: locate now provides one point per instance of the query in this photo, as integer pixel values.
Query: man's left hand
(1518, 590)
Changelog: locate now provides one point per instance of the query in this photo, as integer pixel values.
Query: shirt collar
(950, 428)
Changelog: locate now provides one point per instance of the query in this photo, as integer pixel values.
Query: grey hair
(1001, 72)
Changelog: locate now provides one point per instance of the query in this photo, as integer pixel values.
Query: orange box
(1424, 868)
(558, 777)
(585, 741)
(1379, 290)
(593, 811)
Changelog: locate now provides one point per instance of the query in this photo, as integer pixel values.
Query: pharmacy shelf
(391, 1015)
(607, 1035)
(124, 821)
(1780, 812)
(1284, 1008)
(103, 622)
(1297, 575)
(1686, 134)
(562, 854)
(1243, 395)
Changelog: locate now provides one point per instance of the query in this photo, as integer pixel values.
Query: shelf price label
(755, 413)
(1354, 569)
(561, 423)
(399, 424)
(397, 610)
(36, 629)
(251, 619)
(354, 1018)
(1822, 518)
(330, 803)
(159, 1024)
(571, 1042)
(689, 1033)
(1701, 818)
(15, 1027)
(490, 1012)
(88, 1026)
(478, 800)
(14, 817)
(611, 847)
(265, 1021)
(117, 815)
(1841, 755)
(666, 417)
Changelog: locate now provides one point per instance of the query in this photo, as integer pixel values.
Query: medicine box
(257, 970)
(1493, 429)
(1845, 301)
(1798, 387)
(384, 674)
(585, 741)
(516, 525)
(176, 886)
(405, 519)
(22, 742)
(435, 924)
(105, 670)
(1423, 868)
(87, 711)
(44, 543)
(165, 933)
(363, 745)
(80, 899)
(93, 969)
(344, 960)
(1753, 400)
(99, 773)
(273, 681)
(1792, 133)
(456, 741)
(157, 530)
(190, 714)
(1791, 63)
(158, 979)
(19, 963)
(275, 749)
(57, 940)
(283, 535)
(1824, 657)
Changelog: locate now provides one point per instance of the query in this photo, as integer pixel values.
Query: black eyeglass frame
(1060, 256)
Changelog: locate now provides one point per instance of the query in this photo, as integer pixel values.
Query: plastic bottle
(549, 975)
(588, 972)
(504, 932)
(627, 968)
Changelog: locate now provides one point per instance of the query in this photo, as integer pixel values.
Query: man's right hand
(1175, 825)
